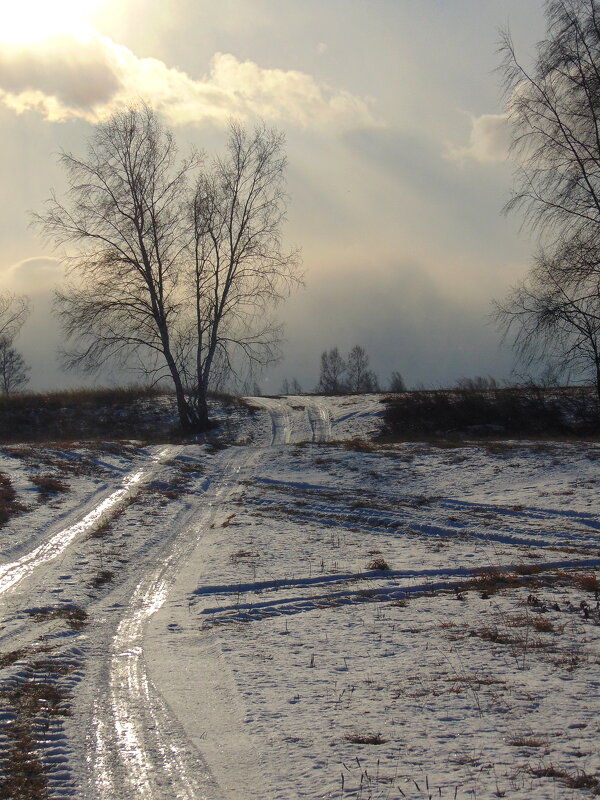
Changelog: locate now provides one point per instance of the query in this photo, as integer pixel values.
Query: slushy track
(297, 420)
(13, 573)
(140, 748)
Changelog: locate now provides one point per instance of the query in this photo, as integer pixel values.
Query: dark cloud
(79, 74)
(402, 318)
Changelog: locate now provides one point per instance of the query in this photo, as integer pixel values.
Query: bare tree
(397, 383)
(554, 109)
(14, 372)
(555, 115)
(167, 276)
(295, 387)
(333, 369)
(240, 271)
(477, 384)
(14, 310)
(359, 377)
(555, 316)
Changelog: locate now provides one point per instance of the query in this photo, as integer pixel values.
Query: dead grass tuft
(103, 577)
(243, 555)
(34, 697)
(9, 506)
(23, 776)
(587, 582)
(378, 564)
(74, 615)
(365, 738)
(48, 485)
(573, 780)
(527, 740)
(538, 623)
(7, 659)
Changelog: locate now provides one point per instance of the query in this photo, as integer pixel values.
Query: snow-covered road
(196, 623)
(141, 747)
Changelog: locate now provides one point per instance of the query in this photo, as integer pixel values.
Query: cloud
(89, 77)
(32, 275)
(489, 140)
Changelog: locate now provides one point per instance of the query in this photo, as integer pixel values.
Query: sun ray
(31, 21)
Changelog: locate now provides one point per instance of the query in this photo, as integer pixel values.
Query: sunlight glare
(31, 21)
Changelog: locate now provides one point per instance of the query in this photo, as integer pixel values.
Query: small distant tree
(295, 387)
(359, 377)
(333, 370)
(396, 383)
(285, 386)
(477, 384)
(14, 372)
(14, 310)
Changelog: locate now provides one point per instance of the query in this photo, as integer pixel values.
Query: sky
(396, 142)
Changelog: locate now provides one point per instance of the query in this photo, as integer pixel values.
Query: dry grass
(103, 577)
(573, 780)
(75, 616)
(34, 697)
(49, 485)
(490, 582)
(33, 701)
(365, 738)
(535, 621)
(528, 740)
(9, 505)
(243, 555)
(496, 635)
(378, 564)
(23, 775)
(587, 582)
(7, 659)
(105, 527)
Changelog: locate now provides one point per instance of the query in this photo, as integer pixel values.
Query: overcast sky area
(397, 149)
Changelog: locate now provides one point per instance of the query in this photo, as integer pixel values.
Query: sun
(31, 21)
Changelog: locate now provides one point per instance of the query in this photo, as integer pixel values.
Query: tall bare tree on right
(554, 110)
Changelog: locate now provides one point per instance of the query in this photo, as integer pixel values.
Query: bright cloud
(489, 140)
(89, 77)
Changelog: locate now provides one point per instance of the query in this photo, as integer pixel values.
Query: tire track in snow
(13, 573)
(425, 581)
(137, 738)
(320, 421)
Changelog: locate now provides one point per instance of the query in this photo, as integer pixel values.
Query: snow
(242, 640)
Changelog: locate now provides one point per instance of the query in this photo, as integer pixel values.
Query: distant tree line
(339, 375)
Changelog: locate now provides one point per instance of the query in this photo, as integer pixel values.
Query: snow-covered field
(306, 614)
